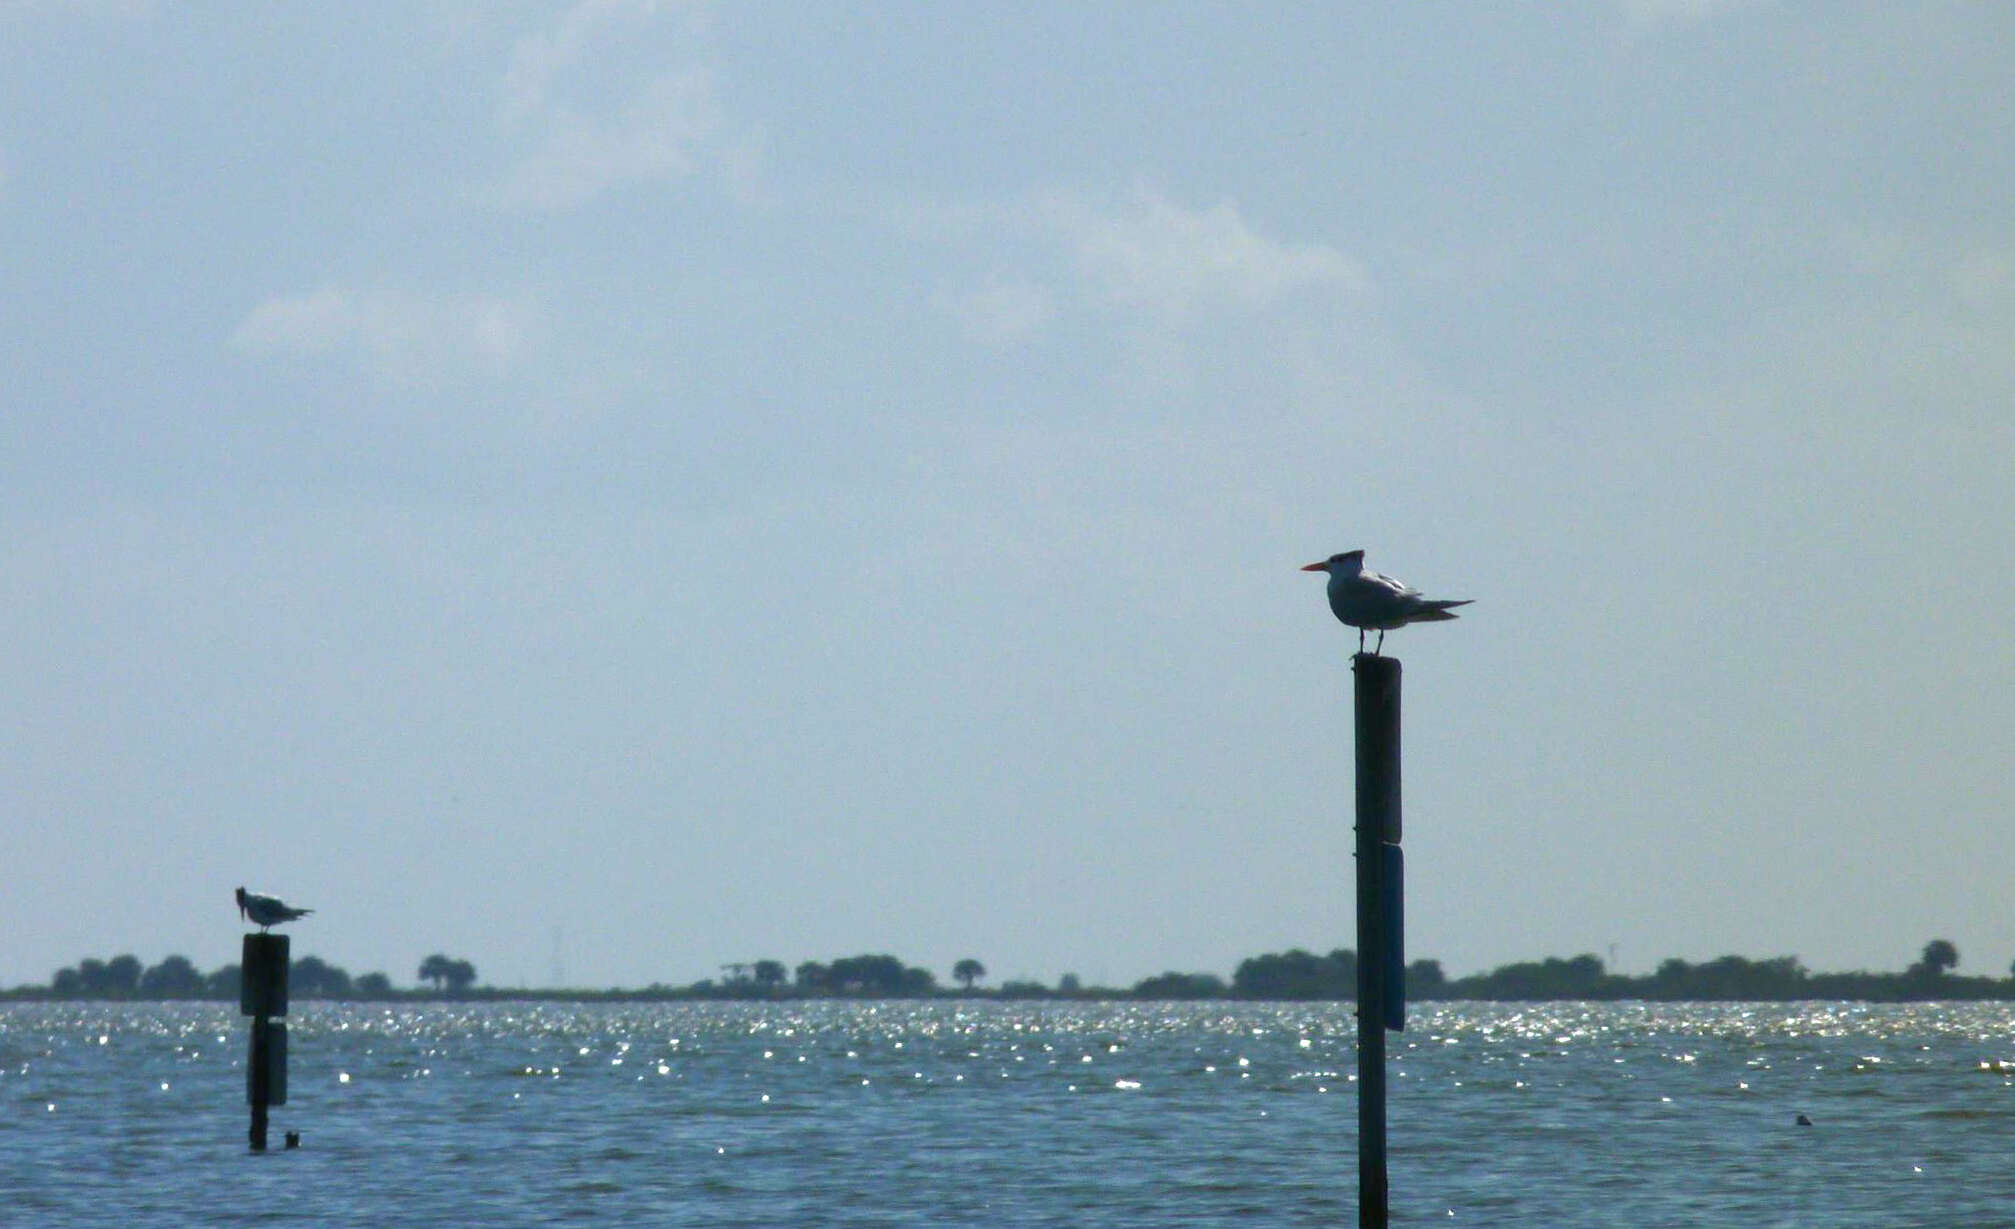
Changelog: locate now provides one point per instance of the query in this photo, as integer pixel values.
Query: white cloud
(743, 159)
(1643, 18)
(1175, 263)
(119, 10)
(1156, 267)
(1001, 312)
(397, 335)
(572, 144)
(536, 59)
(1902, 326)
(1984, 280)
(1867, 249)
(1970, 273)
(578, 156)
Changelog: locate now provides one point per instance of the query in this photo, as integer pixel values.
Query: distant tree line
(876, 976)
(1293, 974)
(448, 974)
(1296, 974)
(1299, 975)
(177, 977)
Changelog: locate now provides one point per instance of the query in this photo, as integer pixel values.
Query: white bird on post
(1372, 601)
(267, 910)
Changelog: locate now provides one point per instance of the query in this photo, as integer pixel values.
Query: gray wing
(1392, 585)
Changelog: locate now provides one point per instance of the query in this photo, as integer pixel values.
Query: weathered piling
(1381, 967)
(262, 994)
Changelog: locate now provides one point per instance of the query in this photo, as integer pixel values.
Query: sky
(606, 490)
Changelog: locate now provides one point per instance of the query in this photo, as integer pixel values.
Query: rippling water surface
(1012, 1114)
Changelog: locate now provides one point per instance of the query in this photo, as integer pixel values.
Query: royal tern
(1372, 601)
(267, 910)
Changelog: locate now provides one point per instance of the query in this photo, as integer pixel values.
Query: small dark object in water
(293, 1139)
(1803, 1121)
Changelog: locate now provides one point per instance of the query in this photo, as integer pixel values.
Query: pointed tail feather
(1437, 610)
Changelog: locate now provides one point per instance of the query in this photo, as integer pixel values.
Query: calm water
(1012, 1114)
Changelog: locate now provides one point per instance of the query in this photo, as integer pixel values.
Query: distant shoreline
(1863, 988)
(1292, 976)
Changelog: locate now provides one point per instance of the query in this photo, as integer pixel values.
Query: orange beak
(1317, 567)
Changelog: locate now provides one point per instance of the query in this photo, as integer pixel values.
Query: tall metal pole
(1380, 992)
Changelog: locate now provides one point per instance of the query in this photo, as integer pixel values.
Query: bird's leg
(1381, 643)
(1360, 640)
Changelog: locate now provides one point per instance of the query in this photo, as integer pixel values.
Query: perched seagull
(1374, 601)
(267, 910)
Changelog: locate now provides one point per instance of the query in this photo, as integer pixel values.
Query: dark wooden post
(255, 1071)
(262, 994)
(1381, 992)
